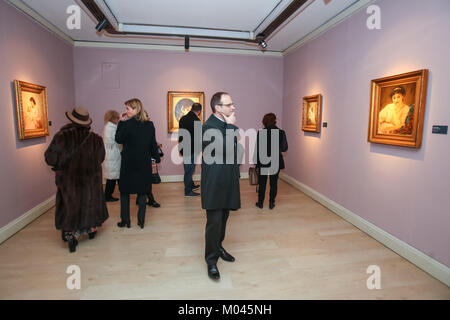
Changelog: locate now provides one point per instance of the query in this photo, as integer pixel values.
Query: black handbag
(156, 179)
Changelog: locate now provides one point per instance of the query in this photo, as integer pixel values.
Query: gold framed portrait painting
(397, 109)
(31, 110)
(180, 103)
(312, 113)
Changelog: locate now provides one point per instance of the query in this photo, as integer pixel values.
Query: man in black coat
(187, 123)
(220, 177)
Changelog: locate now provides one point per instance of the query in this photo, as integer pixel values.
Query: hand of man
(231, 119)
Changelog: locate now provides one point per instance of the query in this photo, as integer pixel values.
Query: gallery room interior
(362, 210)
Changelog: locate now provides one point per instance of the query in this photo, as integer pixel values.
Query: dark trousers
(216, 223)
(109, 188)
(273, 187)
(125, 206)
(189, 169)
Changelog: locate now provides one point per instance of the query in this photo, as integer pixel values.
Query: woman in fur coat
(76, 155)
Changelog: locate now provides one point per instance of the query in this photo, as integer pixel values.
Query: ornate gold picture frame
(397, 109)
(31, 110)
(180, 103)
(312, 113)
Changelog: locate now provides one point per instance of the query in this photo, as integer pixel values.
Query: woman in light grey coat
(111, 165)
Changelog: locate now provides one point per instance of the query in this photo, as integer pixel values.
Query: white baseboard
(18, 224)
(421, 260)
(195, 177)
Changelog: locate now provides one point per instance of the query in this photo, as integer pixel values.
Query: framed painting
(31, 110)
(397, 109)
(180, 103)
(312, 113)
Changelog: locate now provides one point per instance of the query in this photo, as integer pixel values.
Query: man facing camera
(220, 177)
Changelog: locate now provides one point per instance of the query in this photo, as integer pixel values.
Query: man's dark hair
(196, 107)
(216, 99)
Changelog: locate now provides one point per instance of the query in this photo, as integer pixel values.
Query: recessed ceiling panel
(243, 15)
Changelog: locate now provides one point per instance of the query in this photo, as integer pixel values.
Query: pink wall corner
(29, 53)
(255, 84)
(401, 190)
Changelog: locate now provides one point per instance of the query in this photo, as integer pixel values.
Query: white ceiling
(239, 15)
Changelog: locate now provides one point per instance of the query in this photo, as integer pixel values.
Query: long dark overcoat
(139, 146)
(220, 182)
(80, 202)
(282, 147)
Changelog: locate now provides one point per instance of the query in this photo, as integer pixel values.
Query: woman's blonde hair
(111, 115)
(136, 104)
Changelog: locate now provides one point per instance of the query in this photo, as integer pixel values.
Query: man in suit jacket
(187, 122)
(220, 177)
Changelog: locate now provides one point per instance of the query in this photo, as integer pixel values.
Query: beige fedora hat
(79, 115)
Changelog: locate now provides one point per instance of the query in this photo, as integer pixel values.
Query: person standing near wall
(137, 135)
(111, 165)
(187, 123)
(272, 148)
(220, 178)
(76, 155)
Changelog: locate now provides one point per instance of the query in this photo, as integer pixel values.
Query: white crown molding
(40, 19)
(118, 45)
(327, 26)
(421, 260)
(21, 222)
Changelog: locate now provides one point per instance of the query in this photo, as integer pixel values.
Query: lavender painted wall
(401, 190)
(29, 53)
(255, 84)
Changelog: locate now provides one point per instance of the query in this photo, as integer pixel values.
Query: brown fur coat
(80, 201)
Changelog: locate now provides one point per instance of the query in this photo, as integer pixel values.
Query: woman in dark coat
(269, 123)
(76, 155)
(137, 135)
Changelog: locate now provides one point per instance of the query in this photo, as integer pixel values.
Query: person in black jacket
(189, 155)
(269, 168)
(137, 135)
(220, 177)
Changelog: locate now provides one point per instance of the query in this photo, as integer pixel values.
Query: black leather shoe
(122, 224)
(191, 194)
(73, 245)
(92, 235)
(271, 205)
(213, 272)
(141, 224)
(195, 186)
(259, 205)
(225, 255)
(112, 199)
(153, 204)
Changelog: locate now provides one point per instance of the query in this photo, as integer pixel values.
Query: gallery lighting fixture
(186, 42)
(99, 27)
(262, 43)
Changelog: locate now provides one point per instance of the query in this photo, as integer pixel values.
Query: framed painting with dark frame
(312, 113)
(180, 103)
(31, 110)
(397, 109)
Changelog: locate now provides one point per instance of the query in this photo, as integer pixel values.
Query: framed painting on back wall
(312, 113)
(179, 104)
(31, 110)
(397, 109)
